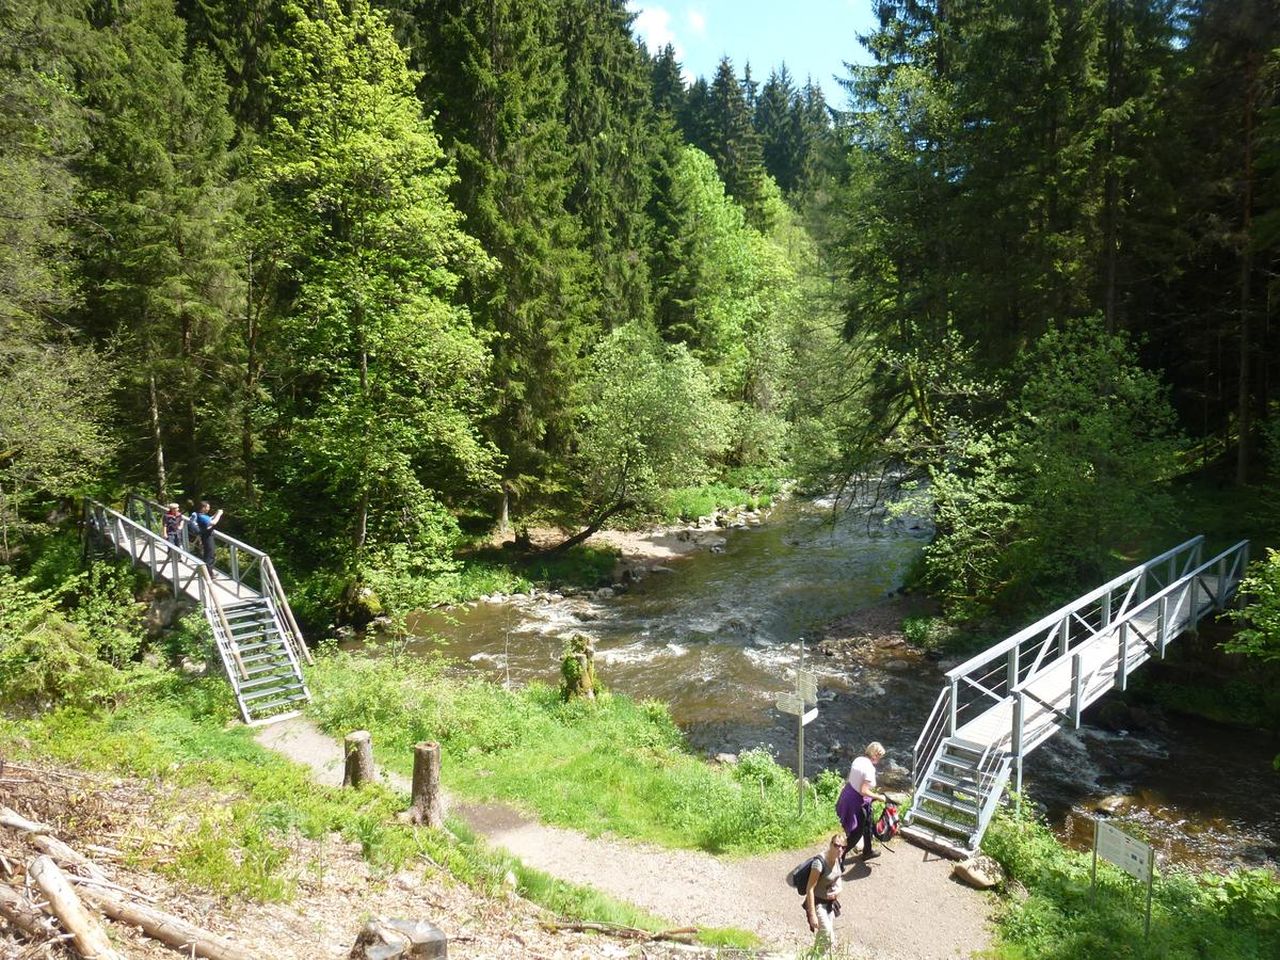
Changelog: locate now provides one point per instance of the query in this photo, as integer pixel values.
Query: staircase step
(942, 823)
(278, 677)
(257, 709)
(953, 783)
(269, 644)
(259, 692)
(956, 804)
(956, 745)
(932, 840)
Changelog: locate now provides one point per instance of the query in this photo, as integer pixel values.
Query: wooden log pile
(64, 896)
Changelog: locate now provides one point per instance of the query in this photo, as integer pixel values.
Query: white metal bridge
(998, 706)
(253, 628)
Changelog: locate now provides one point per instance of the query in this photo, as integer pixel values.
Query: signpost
(802, 703)
(1132, 856)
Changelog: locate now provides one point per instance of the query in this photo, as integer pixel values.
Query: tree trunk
(426, 785)
(591, 528)
(358, 748)
(162, 485)
(1244, 420)
(86, 932)
(186, 938)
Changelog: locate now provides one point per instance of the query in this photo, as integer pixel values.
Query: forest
(370, 273)
(398, 283)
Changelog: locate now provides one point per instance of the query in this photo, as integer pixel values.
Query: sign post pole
(803, 703)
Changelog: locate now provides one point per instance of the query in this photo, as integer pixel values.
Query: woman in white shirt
(854, 806)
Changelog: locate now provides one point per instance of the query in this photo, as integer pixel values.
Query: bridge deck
(1050, 690)
(229, 592)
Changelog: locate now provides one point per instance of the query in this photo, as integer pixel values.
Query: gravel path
(902, 906)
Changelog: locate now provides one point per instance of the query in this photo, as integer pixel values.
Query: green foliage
(1234, 916)
(650, 421)
(1259, 637)
(611, 766)
(1032, 505)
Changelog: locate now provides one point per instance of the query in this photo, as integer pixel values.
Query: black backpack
(798, 878)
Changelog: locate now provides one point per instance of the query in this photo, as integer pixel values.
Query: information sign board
(1132, 856)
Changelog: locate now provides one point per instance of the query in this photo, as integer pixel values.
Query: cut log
(426, 785)
(21, 914)
(66, 856)
(15, 821)
(384, 939)
(87, 935)
(172, 931)
(358, 749)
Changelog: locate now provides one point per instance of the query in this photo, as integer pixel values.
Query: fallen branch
(86, 932)
(15, 821)
(679, 934)
(170, 930)
(68, 857)
(21, 914)
(107, 884)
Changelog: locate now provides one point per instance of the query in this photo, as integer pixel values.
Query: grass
(1232, 917)
(236, 806)
(616, 766)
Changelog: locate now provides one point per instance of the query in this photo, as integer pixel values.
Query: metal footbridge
(253, 628)
(998, 706)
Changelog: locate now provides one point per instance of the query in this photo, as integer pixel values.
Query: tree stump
(358, 750)
(427, 808)
(578, 668)
(384, 939)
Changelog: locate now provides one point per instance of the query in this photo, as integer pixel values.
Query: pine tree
(734, 145)
(495, 78)
(611, 131)
(160, 259)
(667, 83)
(780, 144)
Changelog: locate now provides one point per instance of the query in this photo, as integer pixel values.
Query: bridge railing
(163, 559)
(249, 569)
(1142, 632)
(989, 678)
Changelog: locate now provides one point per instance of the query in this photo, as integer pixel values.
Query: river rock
(726, 759)
(980, 872)
(1111, 804)
(896, 665)
(660, 569)
(605, 593)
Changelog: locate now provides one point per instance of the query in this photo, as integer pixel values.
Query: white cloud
(698, 22)
(653, 26)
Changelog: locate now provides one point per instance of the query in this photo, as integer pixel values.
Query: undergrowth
(615, 765)
(238, 806)
(1224, 917)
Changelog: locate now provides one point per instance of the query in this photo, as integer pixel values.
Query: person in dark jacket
(204, 526)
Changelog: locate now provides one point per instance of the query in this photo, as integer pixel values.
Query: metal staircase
(254, 630)
(998, 706)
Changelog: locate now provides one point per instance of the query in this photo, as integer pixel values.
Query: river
(717, 636)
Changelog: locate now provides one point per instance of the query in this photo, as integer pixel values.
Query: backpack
(886, 828)
(193, 528)
(798, 877)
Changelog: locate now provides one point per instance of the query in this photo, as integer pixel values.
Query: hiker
(822, 895)
(204, 524)
(854, 806)
(173, 524)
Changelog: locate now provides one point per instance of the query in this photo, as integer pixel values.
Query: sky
(813, 37)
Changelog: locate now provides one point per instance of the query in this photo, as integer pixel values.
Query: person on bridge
(854, 806)
(204, 526)
(173, 524)
(822, 895)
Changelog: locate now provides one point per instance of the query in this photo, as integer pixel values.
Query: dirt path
(902, 906)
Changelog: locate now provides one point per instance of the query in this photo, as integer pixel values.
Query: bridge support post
(1122, 660)
(1075, 691)
(1012, 678)
(1163, 627)
(951, 709)
(1019, 711)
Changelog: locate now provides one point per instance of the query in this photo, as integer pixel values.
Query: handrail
(281, 601)
(269, 580)
(208, 593)
(1026, 633)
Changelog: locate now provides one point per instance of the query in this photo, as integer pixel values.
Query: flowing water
(716, 636)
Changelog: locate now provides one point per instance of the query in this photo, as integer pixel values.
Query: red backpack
(886, 828)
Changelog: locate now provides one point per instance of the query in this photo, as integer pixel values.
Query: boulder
(980, 872)
(1111, 804)
(726, 759)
